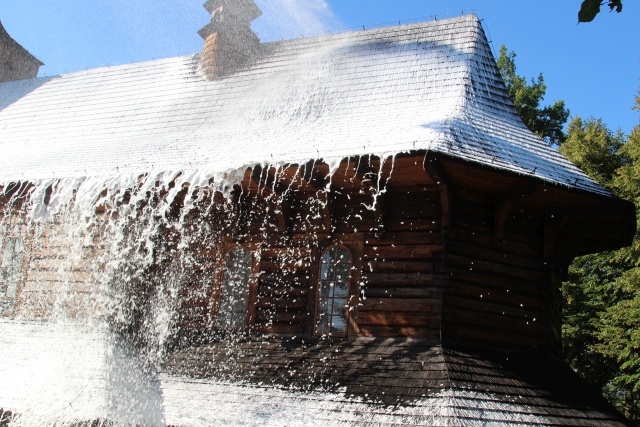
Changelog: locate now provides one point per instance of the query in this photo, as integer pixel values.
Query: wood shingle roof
(430, 86)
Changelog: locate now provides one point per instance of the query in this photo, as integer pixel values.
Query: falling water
(99, 306)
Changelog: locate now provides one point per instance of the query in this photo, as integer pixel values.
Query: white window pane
(235, 289)
(323, 325)
(339, 307)
(333, 290)
(325, 289)
(338, 324)
(341, 289)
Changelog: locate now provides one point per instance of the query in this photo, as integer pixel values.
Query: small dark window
(11, 267)
(333, 291)
(234, 291)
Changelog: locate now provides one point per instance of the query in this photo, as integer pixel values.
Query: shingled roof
(289, 382)
(377, 382)
(430, 86)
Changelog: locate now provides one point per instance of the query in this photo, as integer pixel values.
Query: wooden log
(280, 329)
(497, 295)
(414, 211)
(458, 306)
(402, 251)
(509, 284)
(400, 304)
(404, 292)
(458, 262)
(413, 225)
(395, 318)
(494, 255)
(397, 279)
(291, 317)
(402, 331)
(404, 238)
(281, 303)
(397, 267)
(526, 248)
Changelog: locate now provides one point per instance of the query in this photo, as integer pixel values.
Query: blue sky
(594, 67)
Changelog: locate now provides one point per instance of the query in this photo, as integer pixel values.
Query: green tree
(590, 8)
(601, 330)
(592, 147)
(546, 122)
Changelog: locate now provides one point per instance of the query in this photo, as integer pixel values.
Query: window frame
(351, 327)
(252, 285)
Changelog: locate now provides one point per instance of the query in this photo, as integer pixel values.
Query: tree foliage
(592, 147)
(601, 307)
(546, 122)
(590, 8)
(601, 330)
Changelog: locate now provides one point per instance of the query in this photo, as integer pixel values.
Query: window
(11, 267)
(234, 291)
(333, 291)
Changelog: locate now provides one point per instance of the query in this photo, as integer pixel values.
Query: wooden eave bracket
(366, 175)
(504, 204)
(267, 182)
(379, 210)
(327, 210)
(312, 176)
(281, 207)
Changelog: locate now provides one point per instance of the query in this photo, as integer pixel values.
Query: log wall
(437, 253)
(498, 292)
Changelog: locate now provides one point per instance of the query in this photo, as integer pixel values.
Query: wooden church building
(365, 231)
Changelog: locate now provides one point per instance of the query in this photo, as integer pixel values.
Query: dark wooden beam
(504, 204)
(280, 205)
(379, 209)
(366, 174)
(437, 174)
(327, 210)
(267, 181)
(312, 176)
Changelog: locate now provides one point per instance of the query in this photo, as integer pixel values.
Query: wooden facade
(439, 249)
(427, 276)
(436, 254)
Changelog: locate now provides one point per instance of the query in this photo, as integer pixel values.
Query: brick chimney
(16, 63)
(229, 42)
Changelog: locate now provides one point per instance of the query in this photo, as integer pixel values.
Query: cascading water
(83, 329)
(98, 304)
(111, 263)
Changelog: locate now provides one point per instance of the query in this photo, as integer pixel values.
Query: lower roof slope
(66, 373)
(430, 86)
(389, 382)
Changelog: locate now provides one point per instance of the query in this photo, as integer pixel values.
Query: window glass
(235, 289)
(11, 267)
(333, 291)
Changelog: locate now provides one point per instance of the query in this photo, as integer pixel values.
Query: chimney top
(229, 41)
(242, 10)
